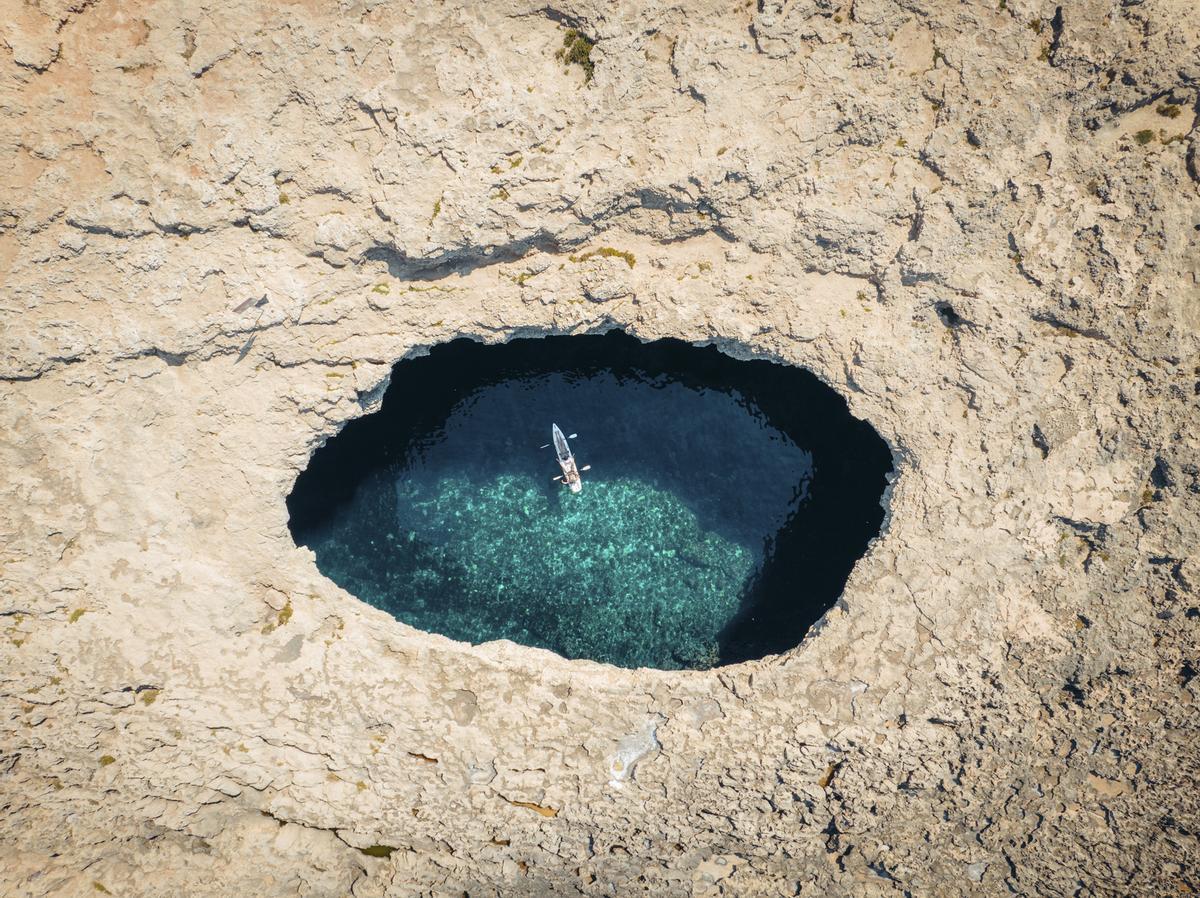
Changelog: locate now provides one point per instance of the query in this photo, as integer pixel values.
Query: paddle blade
(572, 436)
(586, 468)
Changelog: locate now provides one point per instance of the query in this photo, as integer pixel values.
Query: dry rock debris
(221, 224)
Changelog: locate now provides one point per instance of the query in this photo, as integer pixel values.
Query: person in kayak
(566, 460)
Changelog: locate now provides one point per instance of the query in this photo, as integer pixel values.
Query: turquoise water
(699, 538)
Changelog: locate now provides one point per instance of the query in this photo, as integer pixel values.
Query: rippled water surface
(726, 502)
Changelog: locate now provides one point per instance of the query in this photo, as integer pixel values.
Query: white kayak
(566, 461)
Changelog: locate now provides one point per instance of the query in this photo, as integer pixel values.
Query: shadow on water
(727, 503)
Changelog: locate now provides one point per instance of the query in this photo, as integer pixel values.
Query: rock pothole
(721, 507)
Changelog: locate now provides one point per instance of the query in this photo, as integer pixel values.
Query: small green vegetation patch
(577, 49)
(77, 614)
(1143, 137)
(281, 618)
(383, 289)
(378, 850)
(105, 760)
(607, 252)
(1169, 110)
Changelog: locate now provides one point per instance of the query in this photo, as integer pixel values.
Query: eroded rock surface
(221, 224)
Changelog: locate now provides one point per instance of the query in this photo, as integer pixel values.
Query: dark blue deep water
(726, 503)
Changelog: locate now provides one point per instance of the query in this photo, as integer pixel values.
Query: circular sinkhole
(725, 503)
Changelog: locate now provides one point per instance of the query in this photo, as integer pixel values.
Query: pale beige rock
(948, 211)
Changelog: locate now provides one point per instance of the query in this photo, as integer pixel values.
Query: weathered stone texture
(979, 221)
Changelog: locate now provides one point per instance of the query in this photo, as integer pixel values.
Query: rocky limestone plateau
(222, 224)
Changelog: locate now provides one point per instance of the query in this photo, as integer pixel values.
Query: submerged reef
(622, 573)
